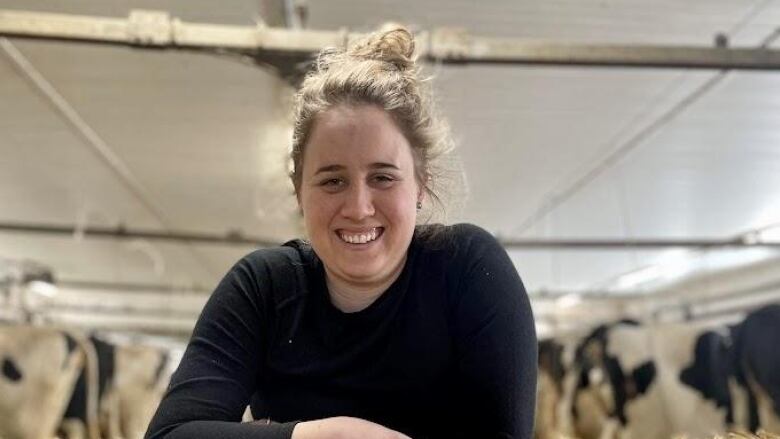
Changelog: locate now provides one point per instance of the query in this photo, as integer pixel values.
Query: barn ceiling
(96, 135)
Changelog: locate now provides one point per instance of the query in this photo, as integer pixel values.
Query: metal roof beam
(157, 29)
(237, 238)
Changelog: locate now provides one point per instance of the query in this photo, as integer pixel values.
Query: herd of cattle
(62, 383)
(623, 380)
(627, 380)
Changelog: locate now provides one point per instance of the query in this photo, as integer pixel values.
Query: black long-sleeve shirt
(448, 351)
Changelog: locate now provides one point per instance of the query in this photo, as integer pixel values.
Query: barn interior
(624, 152)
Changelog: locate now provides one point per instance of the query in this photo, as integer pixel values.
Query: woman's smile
(360, 238)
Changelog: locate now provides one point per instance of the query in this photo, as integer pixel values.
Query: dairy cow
(739, 370)
(119, 401)
(666, 380)
(38, 371)
(549, 389)
(89, 413)
(142, 374)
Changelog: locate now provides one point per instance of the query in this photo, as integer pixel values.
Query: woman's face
(358, 194)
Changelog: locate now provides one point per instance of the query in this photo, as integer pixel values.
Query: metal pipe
(131, 287)
(630, 244)
(231, 238)
(237, 238)
(157, 29)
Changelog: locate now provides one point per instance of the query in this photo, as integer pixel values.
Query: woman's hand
(344, 427)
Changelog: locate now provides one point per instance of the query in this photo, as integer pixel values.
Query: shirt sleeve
(212, 386)
(495, 342)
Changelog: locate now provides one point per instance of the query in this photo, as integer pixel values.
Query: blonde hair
(377, 70)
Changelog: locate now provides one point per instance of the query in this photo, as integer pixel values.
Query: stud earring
(419, 205)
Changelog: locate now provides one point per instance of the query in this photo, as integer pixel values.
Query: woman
(376, 328)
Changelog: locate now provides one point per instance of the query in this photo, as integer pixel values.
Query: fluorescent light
(769, 235)
(42, 288)
(568, 301)
(638, 277)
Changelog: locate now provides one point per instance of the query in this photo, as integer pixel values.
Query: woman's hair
(380, 70)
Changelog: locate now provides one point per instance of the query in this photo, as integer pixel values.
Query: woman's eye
(332, 182)
(383, 179)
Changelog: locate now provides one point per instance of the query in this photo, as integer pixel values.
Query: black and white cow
(120, 399)
(89, 413)
(743, 360)
(681, 379)
(142, 375)
(38, 371)
(549, 389)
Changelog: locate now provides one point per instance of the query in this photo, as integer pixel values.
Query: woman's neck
(351, 297)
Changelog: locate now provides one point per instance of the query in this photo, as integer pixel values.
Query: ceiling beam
(238, 238)
(121, 232)
(633, 244)
(287, 48)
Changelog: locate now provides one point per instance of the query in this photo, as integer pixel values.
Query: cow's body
(40, 367)
(549, 389)
(88, 413)
(140, 382)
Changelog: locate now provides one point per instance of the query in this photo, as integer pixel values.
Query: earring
(419, 205)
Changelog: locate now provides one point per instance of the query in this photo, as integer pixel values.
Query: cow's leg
(768, 419)
(741, 401)
(611, 430)
(73, 429)
(110, 424)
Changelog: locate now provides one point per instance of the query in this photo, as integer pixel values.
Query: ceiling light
(638, 277)
(568, 300)
(42, 288)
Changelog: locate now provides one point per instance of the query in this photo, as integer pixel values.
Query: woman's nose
(358, 203)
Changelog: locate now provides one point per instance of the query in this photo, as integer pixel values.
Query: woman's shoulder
(286, 261)
(461, 238)
(293, 252)
(278, 273)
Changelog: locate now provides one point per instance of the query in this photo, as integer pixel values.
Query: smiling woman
(358, 196)
(377, 327)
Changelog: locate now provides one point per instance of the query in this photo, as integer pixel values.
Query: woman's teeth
(360, 238)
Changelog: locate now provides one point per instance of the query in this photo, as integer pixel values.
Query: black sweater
(448, 351)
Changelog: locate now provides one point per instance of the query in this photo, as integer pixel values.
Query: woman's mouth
(362, 237)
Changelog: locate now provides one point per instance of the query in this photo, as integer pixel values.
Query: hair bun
(392, 44)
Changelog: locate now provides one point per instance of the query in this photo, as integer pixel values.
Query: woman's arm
(495, 342)
(216, 377)
(213, 384)
(344, 427)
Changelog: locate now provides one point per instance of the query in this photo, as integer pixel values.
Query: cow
(55, 381)
(38, 371)
(548, 389)
(141, 378)
(554, 389)
(678, 379)
(120, 400)
(745, 360)
(89, 414)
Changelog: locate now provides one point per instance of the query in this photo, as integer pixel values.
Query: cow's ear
(643, 376)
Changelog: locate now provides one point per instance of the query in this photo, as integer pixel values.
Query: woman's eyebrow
(376, 165)
(329, 168)
(382, 165)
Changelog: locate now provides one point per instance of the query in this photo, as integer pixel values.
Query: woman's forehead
(365, 135)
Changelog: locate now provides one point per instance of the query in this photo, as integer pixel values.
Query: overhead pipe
(238, 238)
(276, 45)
